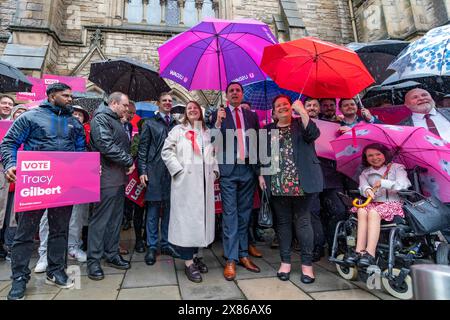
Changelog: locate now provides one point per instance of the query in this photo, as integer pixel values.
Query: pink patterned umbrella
(215, 52)
(412, 146)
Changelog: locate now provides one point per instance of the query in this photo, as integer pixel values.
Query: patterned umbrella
(428, 56)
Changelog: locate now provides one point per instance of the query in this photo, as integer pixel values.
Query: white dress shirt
(441, 123)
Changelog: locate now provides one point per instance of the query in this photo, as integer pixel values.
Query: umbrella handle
(357, 205)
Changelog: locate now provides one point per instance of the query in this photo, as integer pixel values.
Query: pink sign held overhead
(77, 84)
(56, 179)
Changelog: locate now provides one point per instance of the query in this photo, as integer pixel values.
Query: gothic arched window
(207, 9)
(172, 13)
(135, 8)
(154, 12)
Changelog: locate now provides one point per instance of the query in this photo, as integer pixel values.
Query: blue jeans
(152, 225)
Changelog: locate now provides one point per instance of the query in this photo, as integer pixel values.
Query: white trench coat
(192, 209)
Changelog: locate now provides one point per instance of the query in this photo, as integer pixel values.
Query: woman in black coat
(292, 180)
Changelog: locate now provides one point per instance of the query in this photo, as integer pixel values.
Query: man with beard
(349, 110)
(426, 115)
(50, 127)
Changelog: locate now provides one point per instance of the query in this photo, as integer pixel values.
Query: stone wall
(7, 11)
(261, 10)
(328, 20)
(399, 19)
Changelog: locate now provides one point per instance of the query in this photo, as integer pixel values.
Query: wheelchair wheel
(443, 254)
(348, 273)
(403, 291)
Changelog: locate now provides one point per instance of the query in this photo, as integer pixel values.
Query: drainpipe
(352, 18)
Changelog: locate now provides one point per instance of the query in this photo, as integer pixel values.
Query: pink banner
(134, 190)
(56, 179)
(77, 84)
(4, 127)
(328, 132)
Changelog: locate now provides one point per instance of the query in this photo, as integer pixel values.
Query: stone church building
(63, 37)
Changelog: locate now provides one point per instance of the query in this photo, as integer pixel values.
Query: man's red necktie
(431, 125)
(240, 135)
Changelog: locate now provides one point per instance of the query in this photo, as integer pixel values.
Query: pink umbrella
(412, 146)
(216, 52)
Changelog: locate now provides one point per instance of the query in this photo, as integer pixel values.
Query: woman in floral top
(293, 183)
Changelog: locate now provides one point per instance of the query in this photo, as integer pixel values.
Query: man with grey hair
(426, 115)
(110, 139)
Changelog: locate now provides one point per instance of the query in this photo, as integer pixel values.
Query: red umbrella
(316, 68)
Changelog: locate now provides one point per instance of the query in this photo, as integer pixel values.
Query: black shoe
(283, 276)
(318, 253)
(18, 287)
(307, 279)
(193, 273)
(201, 266)
(126, 225)
(139, 247)
(169, 251)
(352, 258)
(95, 272)
(150, 257)
(366, 260)
(59, 279)
(119, 263)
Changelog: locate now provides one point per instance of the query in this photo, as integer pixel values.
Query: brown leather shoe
(229, 272)
(248, 264)
(254, 252)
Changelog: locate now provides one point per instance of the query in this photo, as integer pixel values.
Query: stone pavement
(166, 280)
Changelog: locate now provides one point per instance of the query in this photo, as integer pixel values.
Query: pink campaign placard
(4, 127)
(56, 179)
(40, 86)
(328, 132)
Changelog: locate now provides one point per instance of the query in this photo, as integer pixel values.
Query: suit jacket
(409, 122)
(129, 130)
(305, 158)
(251, 121)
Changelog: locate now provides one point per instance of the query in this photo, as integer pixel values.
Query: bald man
(426, 115)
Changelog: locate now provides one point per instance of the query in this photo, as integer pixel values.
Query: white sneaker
(77, 254)
(41, 265)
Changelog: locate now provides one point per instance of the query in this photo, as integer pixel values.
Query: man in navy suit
(237, 177)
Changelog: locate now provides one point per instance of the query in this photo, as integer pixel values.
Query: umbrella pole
(265, 98)
(220, 75)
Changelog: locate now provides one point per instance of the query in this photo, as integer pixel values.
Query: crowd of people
(178, 162)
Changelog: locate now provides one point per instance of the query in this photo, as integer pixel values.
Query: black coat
(305, 158)
(46, 128)
(108, 137)
(154, 133)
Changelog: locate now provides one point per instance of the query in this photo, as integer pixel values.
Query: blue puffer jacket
(46, 128)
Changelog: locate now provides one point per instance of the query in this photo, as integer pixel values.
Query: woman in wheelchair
(380, 180)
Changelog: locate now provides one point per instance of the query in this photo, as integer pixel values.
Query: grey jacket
(396, 180)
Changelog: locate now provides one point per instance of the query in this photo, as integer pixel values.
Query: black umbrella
(378, 55)
(178, 109)
(138, 80)
(393, 94)
(12, 79)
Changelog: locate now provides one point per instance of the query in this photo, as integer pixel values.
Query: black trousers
(294, 211)
(334, 211)
(28, 225)
(138, 222)
(105, 224)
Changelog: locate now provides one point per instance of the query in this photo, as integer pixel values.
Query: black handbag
(265, 218)
(427, 214)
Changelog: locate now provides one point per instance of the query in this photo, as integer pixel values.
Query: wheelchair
(398, 248)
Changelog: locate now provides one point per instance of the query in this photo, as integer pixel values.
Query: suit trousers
(58, 221)
(237, 200)
(105, 224)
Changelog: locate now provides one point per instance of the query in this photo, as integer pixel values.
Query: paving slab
(213, 287)
(106, 289)
(162, 273)
(353, 294)
(151, 293)
(325, 281)
(266, 270)
(271, 289)
(140, 257)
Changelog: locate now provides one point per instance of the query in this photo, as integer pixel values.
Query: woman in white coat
(189, 157)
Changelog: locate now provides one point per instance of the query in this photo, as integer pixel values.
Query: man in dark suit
(426, 115)
(237, 177)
